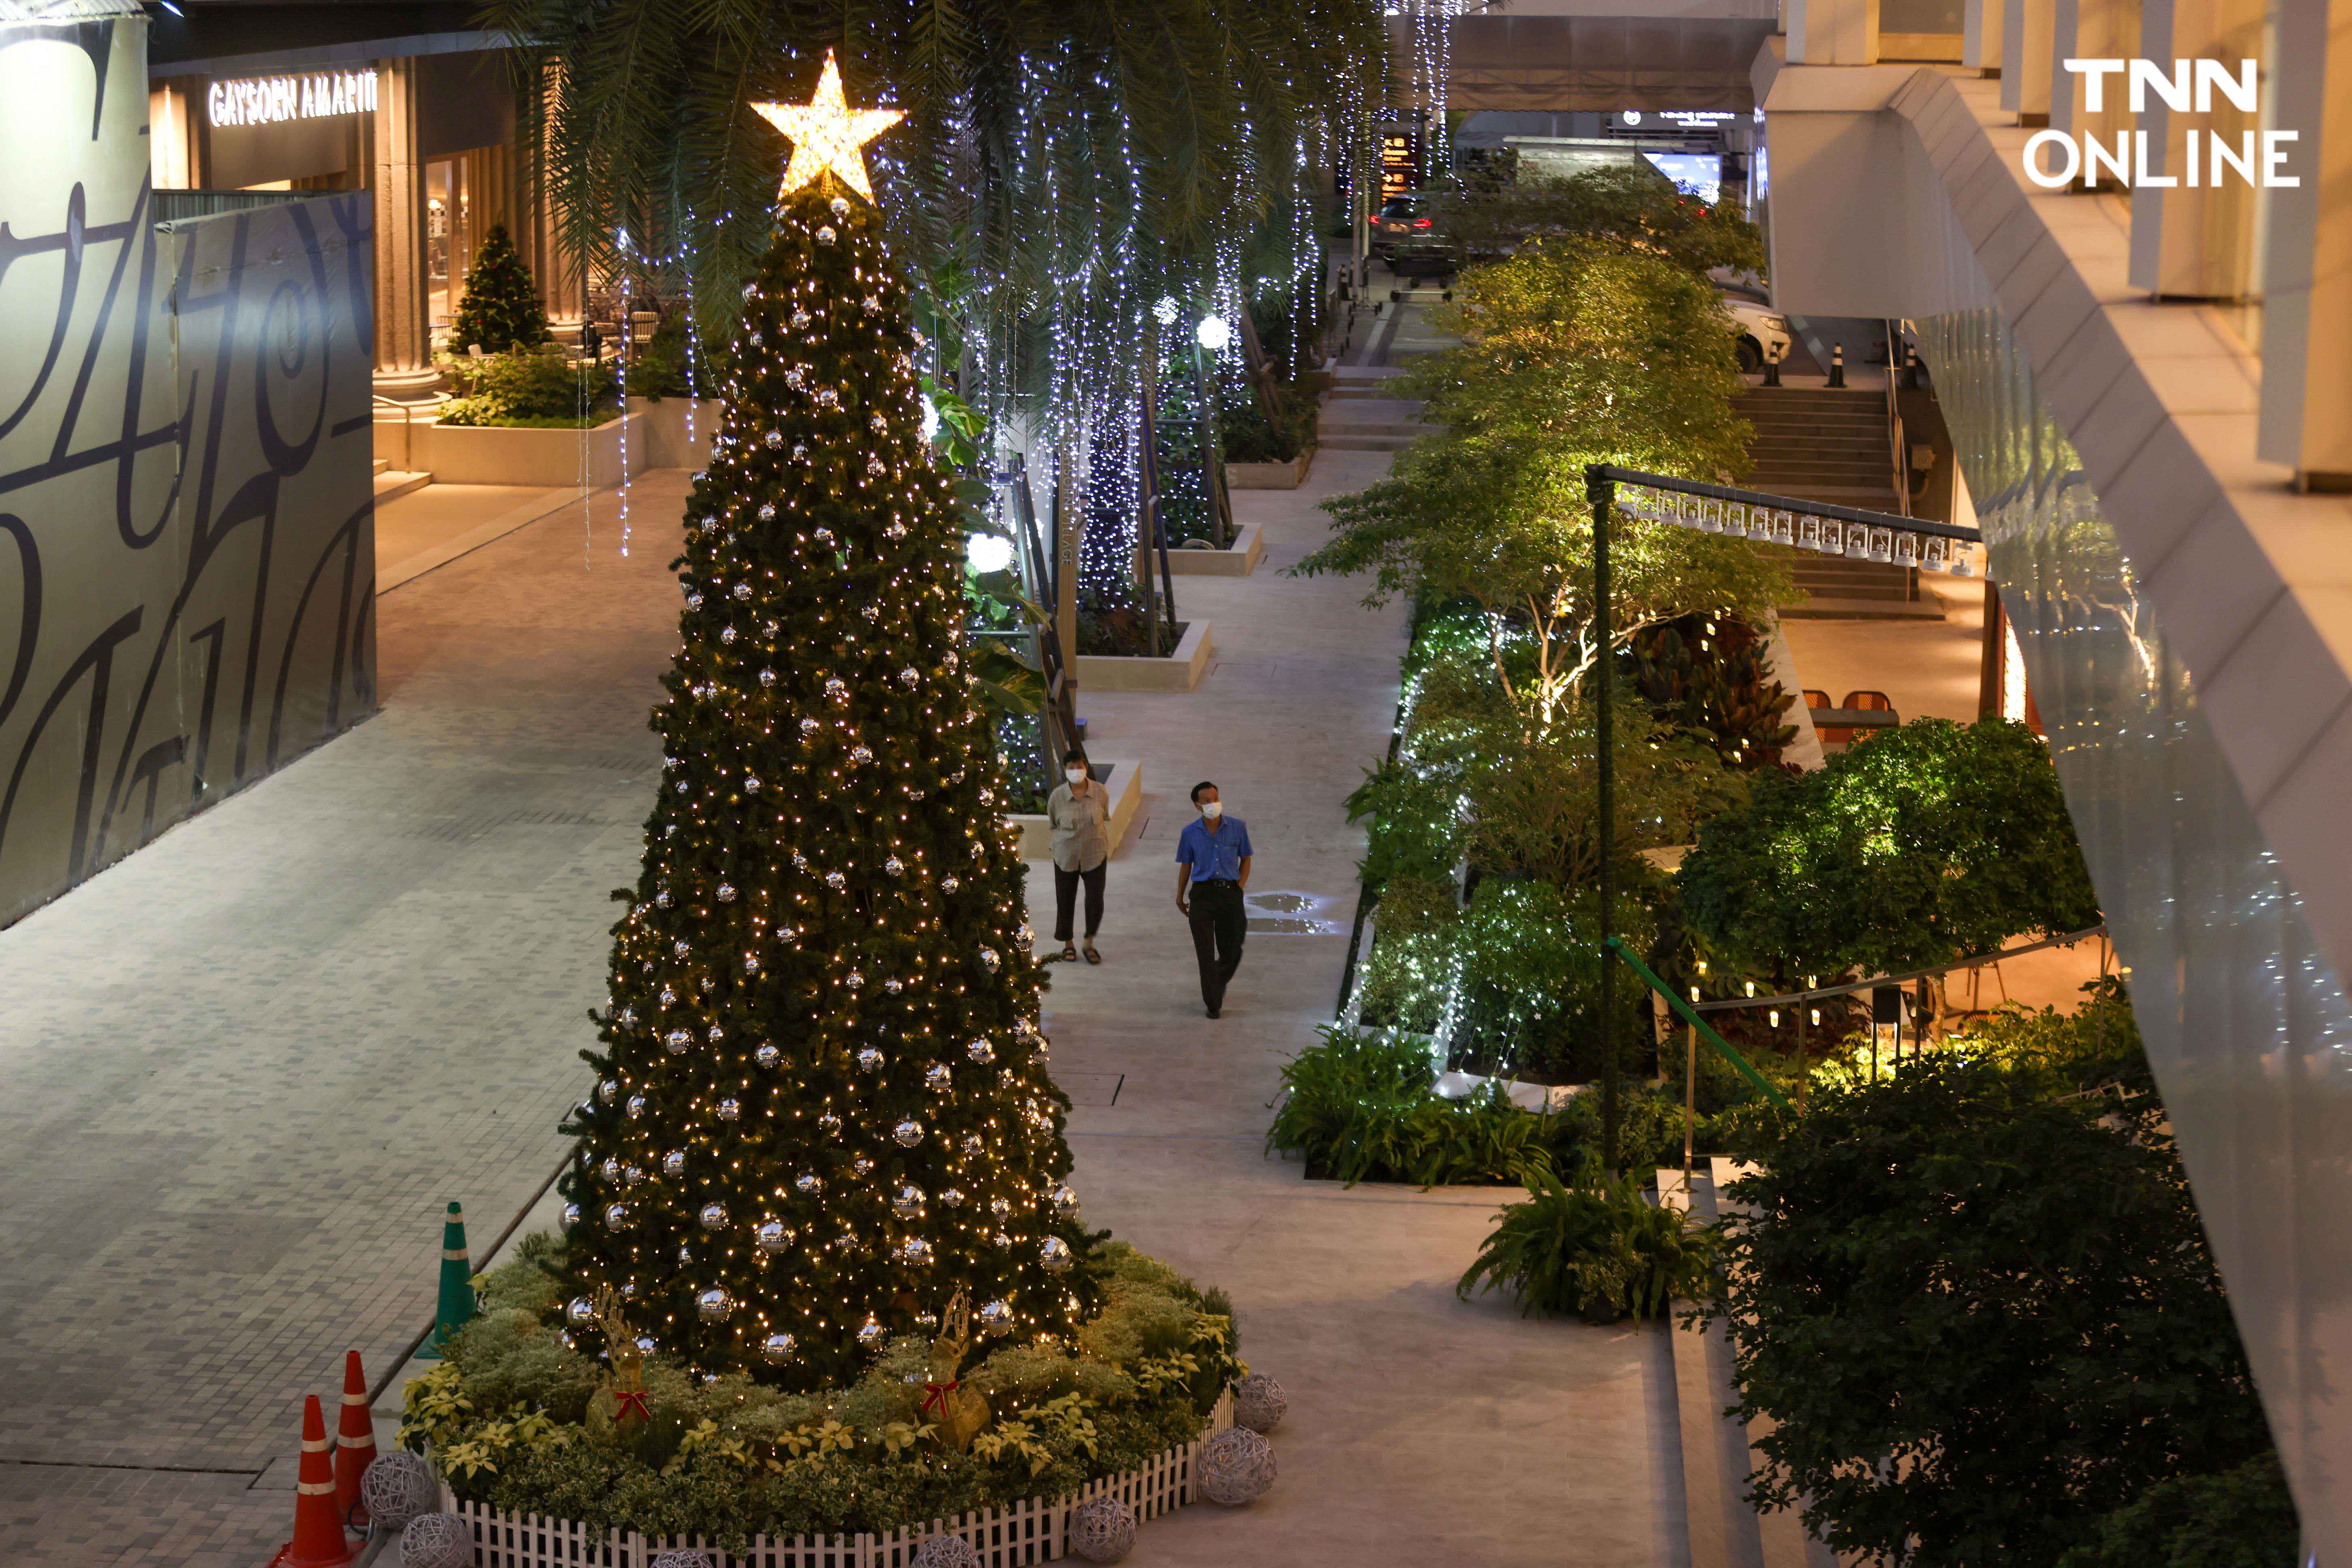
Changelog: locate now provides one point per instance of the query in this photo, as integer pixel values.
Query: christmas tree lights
(823, 1104)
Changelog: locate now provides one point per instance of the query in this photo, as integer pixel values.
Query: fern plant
(1596, 1247)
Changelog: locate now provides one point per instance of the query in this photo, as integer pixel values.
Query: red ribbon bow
(935, 1396)
(627, 1402)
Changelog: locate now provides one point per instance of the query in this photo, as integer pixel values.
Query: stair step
(391, 484)
(1841, 609)
(1367, 443)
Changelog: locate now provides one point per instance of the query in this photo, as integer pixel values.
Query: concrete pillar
(404, 338)
(2195, 242)
(1833, 32)
(2092, 29)
(2027, 42)
(1980, 34)
(2306, 410)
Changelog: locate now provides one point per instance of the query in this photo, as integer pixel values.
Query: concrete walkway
(243, 1069)
(1421, 1428)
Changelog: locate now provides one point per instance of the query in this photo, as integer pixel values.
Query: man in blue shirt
(1213, 862)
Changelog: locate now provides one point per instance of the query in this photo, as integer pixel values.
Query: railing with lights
(1820, 526)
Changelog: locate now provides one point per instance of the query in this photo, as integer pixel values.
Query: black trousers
(1066, 898)
(1219, 924)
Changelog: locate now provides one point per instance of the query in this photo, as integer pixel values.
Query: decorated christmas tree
(500, 310)
(823, 1106)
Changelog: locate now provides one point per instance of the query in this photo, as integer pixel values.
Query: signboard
(1400, 163)
(276, 100)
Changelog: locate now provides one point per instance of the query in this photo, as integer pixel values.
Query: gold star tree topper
(827, 135)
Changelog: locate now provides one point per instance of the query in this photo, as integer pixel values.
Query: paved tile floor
(244, 1067)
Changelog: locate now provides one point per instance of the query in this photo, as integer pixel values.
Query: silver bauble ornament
(980, 1051)
(611, 1170)
(767, 1056)
(893, 866)
(775, 1235)
(810, 1183)
(860, 1166)
(869, 1333)
(909, 1132)
(616, 1216)
(636, 1107)
(714, 1217)
(914, 1250)
(571, 1215)
(952, 1197)
(767, 678)
(988, 959)
(678, 1040)
(1054, 1255)
(714, 1305)
(580, 1311)
(608, 1092)
(726, 891)
(1065, 1201)
(950, 884)
(716, 1034)
(673, 1163)
(668, 996)
(632, 1175)
(995, 1316)
(1000, 1206)
(777, 1349)
(647, 1343)
(869, 1059)
(829, 1124)
(908, 1201)
(939, 1077)
(730, 1111)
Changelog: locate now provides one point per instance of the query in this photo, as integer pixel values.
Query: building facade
(409, 103)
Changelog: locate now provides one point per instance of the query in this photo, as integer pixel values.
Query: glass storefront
(2245, 1019)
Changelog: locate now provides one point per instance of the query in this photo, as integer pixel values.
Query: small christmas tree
(823, 1106)
(500, 310)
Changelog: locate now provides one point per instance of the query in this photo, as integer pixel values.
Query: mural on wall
(187, 552)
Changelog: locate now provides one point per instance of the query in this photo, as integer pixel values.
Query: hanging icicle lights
(1057, 171)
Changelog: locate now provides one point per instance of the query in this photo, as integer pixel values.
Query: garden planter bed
(1179, 672)
(1123, 779)
(515, 455)
(1286, 476)
(1033, 1530)
(667, 446)
(1238, 559)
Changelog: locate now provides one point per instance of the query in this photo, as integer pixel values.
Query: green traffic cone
(455, 1307)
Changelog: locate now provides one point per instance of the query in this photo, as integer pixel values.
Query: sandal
(1092, 956)
(1069, 954)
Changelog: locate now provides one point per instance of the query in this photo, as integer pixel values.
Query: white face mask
(1213, 809)
(1075, 775)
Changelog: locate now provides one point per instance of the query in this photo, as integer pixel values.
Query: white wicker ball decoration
(1102, 1530)
(1236, 1466)
(436, 1541)
(397, 1487)
(683, 1557)
(945, 1551)
(1258, 1403)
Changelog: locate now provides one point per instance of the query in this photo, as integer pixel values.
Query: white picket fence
(1035, 1530)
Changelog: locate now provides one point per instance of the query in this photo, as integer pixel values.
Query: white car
(1763, 334)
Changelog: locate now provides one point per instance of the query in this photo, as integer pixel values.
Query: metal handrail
(1722, 1046)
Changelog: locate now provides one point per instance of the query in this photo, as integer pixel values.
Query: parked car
(1763, 333)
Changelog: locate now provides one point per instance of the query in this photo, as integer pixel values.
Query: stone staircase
(1830, 445)
(1358, 416)
(1718, 1453)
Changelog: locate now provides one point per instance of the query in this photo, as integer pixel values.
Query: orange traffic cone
(354, 1442)
(319, 1540)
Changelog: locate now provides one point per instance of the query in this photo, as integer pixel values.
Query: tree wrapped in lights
(823, 1106)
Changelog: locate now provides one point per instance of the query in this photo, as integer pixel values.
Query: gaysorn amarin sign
(275, 100)
(2208, 156)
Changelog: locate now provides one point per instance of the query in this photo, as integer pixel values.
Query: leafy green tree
(500, 309)
(1924, 844)
(1573, 353)
(1629, 205)
(823, 1104)
(2238, 1518)
(1980, 1319)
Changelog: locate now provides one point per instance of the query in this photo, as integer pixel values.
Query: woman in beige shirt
(1078, 812)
